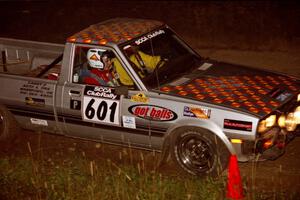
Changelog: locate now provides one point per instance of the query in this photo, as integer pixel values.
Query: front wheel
(198, 152)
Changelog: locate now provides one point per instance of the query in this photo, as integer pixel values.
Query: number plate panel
(101, 110)
(101, 105)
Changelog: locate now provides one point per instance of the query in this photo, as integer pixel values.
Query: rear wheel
(8, 125)
(198, 152)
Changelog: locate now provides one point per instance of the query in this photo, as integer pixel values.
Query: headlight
(270, 121)
(297, 114)
(290, 122)
(264, 125)
(281, 121)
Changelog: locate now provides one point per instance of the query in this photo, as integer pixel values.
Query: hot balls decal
(152, 112)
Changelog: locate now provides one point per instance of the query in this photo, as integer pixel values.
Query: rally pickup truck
(196, 111)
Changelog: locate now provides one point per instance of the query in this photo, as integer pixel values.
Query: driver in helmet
(101, 69)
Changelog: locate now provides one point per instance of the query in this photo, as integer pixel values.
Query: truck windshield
(160, 57)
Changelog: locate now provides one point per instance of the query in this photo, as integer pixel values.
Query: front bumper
(269, 147)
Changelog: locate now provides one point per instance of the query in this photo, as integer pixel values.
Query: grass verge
(74, 176)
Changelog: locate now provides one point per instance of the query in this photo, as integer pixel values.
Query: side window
(99, 66)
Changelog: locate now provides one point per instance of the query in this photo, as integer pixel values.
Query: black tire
(198, 152)
(8, 125)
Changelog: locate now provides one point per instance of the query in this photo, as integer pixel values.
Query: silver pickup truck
(136, 83)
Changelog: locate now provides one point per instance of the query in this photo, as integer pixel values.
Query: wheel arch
(203, 124)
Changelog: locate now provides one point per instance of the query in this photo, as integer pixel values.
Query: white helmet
(94, 58)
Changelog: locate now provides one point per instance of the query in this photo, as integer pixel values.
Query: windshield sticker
(152, 112)
(205, 66)
(103, 92)
(34, 102)
(129, 122)
(140, 97)
(201, 113)
(179, 81)
(237, 125)
(149, 36)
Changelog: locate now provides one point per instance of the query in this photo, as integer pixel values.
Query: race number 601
(101, 110)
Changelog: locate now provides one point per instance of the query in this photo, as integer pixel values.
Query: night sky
(224, 24)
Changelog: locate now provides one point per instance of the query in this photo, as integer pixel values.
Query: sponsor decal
(129, 122)
(34, 101)
(40, 122)
(152, 112)
(201, 113)
(103, 92)
(75, 104)
(140, 97)
(237, 125)
(94, 57)
(149, 36)
(36, 89)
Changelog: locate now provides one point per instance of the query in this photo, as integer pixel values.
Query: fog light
(281, 121)
(290, 122)
(298, 97)
(270, 121)
(266, 124)
(268, 144)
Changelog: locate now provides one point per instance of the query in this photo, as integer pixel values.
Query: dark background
(242, 25)
(254, 25)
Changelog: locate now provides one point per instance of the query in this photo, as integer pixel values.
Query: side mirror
(121, 90)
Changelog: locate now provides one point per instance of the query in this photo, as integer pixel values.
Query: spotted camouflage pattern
(247, 93)
(117, 31)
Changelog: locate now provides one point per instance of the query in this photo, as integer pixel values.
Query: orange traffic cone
(234, 182)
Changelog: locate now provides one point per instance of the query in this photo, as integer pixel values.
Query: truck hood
(250, 90)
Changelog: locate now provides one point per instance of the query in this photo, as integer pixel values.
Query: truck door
(93, 107)
(90, 110)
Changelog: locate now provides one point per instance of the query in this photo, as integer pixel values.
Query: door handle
(74, 93)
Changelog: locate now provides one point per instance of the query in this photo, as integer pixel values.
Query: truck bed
(29, 58)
